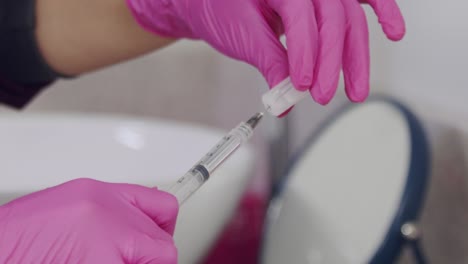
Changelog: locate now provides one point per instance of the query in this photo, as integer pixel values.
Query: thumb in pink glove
(86, 221)
(323, 36)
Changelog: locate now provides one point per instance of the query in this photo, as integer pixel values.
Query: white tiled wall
(188, 81)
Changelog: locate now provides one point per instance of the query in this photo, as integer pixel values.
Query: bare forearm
(78, 36)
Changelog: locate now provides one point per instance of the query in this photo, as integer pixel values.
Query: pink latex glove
(86, 221)
(323, 36)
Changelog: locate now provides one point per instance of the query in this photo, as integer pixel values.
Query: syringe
(202, 170)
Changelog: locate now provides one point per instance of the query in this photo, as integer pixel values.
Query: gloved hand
(86, 221)
(323, 36)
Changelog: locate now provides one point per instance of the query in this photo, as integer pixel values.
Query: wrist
(160, 17)
(79, 36)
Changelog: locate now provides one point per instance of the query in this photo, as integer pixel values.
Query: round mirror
(347, 194)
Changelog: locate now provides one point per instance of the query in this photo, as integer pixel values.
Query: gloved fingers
(331, 21)
(273, 64)
(151, 251)
(298, 17)
(270, 57)
(161, 207)
(390, 18)
(273, 61)
(356, 57)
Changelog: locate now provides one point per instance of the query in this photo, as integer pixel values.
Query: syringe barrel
(194, 179)
(226, 146)
(188, 184)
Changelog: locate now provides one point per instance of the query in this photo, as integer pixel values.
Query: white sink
(43, 150)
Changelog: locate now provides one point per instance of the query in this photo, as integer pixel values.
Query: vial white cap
(282, 97)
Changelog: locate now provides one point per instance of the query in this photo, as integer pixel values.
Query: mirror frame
(414, 191)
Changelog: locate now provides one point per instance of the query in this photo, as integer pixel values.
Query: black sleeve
(23, 70)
